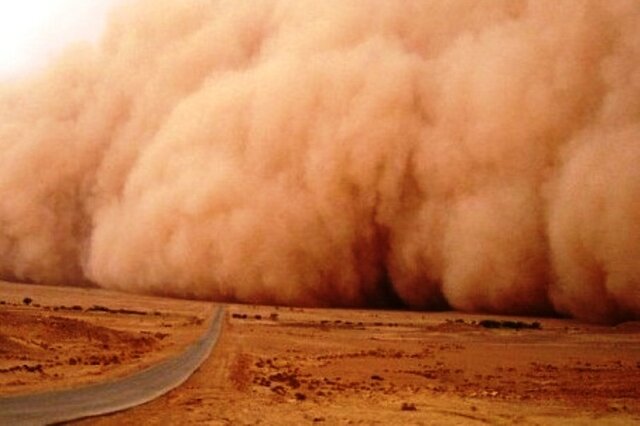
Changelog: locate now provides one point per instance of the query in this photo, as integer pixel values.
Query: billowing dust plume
(483, 155)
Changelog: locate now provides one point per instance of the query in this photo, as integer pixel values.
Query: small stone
(407, 406)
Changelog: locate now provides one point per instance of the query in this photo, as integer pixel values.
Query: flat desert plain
(318, 366)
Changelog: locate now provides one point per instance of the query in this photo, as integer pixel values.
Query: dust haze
(483, 155)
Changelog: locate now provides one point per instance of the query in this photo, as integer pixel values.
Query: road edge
(116, 395)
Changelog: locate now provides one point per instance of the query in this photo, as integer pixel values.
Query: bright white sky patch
(34, 31)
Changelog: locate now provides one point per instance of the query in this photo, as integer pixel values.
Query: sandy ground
(56, 338)
(307, 366)
(283, 366)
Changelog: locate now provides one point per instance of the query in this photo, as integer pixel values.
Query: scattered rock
(280, 390)
(33, 369)
(407, 406)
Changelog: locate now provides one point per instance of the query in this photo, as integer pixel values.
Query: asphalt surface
(108, 397)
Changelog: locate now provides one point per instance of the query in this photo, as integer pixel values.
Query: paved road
(103, 398)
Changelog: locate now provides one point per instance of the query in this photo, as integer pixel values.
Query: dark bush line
(513, 325)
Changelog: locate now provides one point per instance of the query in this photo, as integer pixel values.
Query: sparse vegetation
(509, 324)
(493, 324)
(98, 308)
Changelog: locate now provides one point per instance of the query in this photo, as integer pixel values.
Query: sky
(33, 31)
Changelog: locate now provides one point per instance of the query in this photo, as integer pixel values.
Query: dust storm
(482, 155)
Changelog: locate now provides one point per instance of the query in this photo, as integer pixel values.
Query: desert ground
(276, 365)
(58, 338)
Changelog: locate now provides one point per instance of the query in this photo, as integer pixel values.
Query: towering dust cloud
(480, 154)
